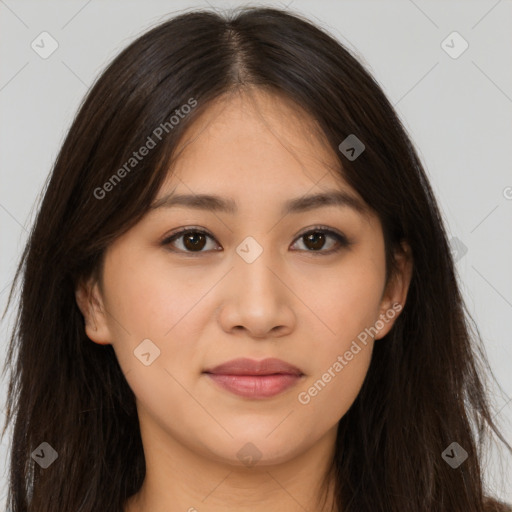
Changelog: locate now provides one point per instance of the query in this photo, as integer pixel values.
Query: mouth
(255, 379)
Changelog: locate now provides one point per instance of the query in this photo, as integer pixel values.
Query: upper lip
(244, 366)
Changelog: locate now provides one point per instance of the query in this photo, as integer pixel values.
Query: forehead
(256, 141)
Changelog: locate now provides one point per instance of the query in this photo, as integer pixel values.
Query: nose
(257, 298)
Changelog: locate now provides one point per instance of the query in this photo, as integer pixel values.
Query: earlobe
(90, 302)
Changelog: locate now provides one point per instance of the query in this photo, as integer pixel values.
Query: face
(306, 287)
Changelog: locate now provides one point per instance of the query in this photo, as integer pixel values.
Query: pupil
(317, 239)
(189, 239)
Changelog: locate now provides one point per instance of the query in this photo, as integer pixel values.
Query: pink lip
(255, 379)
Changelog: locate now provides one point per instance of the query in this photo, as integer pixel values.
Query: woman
(238, 293)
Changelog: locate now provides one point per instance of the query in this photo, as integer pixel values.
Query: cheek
(148, 297)
(347, 298)
(151, 300)
(334, 387)
(342, 359)
(348, 304)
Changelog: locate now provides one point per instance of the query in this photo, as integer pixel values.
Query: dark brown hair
(425, 386)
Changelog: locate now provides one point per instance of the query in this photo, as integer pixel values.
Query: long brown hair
(425, 387)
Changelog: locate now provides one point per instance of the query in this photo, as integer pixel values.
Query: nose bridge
(254, 262)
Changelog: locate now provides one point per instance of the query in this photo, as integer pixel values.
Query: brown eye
(192, 240)
(315, 240)
(195, 241)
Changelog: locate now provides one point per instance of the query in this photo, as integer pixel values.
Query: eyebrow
(296, 205)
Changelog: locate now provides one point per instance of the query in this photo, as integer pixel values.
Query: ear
(395, 294)
(90, 302)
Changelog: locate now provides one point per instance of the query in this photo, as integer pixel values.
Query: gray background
(457, 110)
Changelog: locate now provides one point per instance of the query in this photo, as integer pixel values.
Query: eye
(194, 240)
(315, 238)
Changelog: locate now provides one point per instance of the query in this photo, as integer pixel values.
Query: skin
(290, 303)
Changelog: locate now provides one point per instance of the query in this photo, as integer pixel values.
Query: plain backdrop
(456, 108)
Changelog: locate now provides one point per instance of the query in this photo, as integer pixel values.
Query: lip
(244, 366)
(255, 379)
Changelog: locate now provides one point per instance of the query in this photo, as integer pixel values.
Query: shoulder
(493, 505)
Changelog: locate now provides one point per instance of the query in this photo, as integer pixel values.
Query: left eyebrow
(296, 205)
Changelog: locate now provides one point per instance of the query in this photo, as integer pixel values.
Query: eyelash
(343, 242)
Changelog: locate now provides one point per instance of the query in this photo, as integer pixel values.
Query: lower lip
(252, 386)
